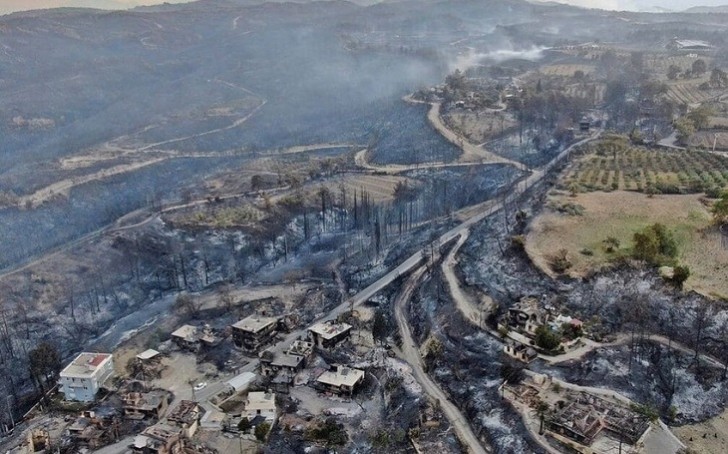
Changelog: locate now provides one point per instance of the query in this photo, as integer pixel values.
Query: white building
(82, 379)
(260, 404)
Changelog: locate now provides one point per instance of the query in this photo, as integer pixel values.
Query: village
(171, 399)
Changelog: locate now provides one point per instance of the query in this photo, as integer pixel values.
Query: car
(200, 386)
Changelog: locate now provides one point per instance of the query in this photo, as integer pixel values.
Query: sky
(637, 5)
(8, 6)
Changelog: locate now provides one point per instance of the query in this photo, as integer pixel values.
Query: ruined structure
(255, 331)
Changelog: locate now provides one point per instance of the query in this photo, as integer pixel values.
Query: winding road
(411, 353)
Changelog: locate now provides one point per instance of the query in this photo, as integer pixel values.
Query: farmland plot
(637, 169)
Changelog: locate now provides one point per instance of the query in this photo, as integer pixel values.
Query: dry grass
(379, 187)
(567, 70)
(692, 435)
(478, 127)
(619, 215)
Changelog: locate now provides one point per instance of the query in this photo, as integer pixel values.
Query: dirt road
(472, 310)
(471, 152)
(411, 354)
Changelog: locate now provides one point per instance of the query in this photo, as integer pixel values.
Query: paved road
(411, 354)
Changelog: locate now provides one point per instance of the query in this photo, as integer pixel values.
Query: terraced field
(567, 70)
(689, 92)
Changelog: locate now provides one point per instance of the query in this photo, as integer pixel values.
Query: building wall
(84, 389)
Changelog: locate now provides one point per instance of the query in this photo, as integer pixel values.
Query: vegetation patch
(611, 223)
(613, 164)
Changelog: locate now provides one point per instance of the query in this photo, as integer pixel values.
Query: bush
(680, 274)
(547, 339)
(244, 425)
(655, 244)
(261, 431)
(560, 262)
(330, 433)
(611, 244)
(518, 242)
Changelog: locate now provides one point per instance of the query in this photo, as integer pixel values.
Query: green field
(613, 165)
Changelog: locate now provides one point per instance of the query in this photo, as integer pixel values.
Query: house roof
(163, 431)
(285, 360)
(342, 376)
(85, 365)
(259, 400)
(329, 330)
(255, 323)
(241, 381)
(147, 354)
(186, 332)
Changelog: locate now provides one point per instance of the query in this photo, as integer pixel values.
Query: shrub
(244, 425)
(330, 432)
(655, 245)
(547, 339)
(261, 431)
(518, 242)
(560, 262)
(611, 244)
(680, 274)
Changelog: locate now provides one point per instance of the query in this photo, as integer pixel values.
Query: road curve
(411, 354)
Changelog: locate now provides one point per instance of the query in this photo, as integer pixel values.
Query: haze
(9, 6)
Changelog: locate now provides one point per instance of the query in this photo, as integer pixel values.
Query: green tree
(244, 425)
(685, 129)
(720, 209)
(261, 431)
(44, 363)
(680, 274)
(700, 117)
(546, 338)
(655, 244)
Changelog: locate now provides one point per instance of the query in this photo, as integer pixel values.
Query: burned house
(94, 430)
(186, 416)
(520, 352)
(585, 417)
(328, 334)
(192, 338)
(254, 332)
(159, 439)
(281, 364)
(150, 405)
(525, 317)
(340, 380)
(284, 366)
